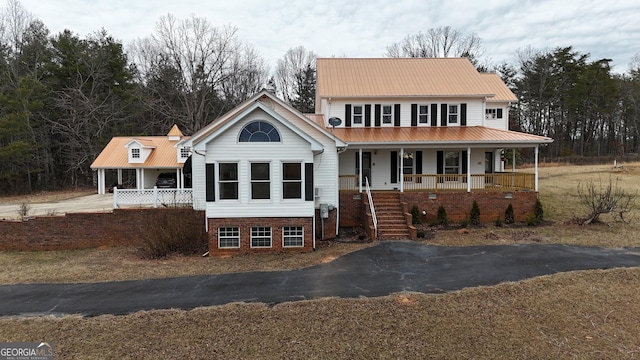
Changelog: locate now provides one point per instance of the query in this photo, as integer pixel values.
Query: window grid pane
(228, 183)
(229, 237)
(357, 114)
(293, 236)
(423, 114)
(386, 114)
(261, 236)
(260, 181)
(292, 180)
(135, 153)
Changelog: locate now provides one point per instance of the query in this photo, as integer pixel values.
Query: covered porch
(138, 178)
(427, 169)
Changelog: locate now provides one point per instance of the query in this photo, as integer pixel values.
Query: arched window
(259, 131)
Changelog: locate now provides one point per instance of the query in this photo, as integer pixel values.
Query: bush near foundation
(173, 231)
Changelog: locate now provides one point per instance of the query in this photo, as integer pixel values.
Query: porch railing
(454, 182)
(155, 197)
(372, 208)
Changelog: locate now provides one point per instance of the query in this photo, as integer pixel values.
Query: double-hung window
(357, 114)
(228, 237)
(452, 162)
(387, 114)
(490, 114)
(135, 153)
(260, 236)
(184, 152)
(453, 114)
(228, 184)
(292, 236)
(292, 180)
(260, 181)
(423, 114)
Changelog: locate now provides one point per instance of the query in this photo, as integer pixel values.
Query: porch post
(401, 169)
(469, 169)
(513, 161)
(360, 170)
(536, 157)
(101, 181)
(138, 178)
(178, 179)
(119, 176)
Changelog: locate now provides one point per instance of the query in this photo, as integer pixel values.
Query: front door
(488, 162)
(366, 166)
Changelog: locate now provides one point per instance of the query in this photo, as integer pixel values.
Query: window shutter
(210, 178)
(396, 115)
(309, 191)
(378, 114)
(440, 165)
(347, 115)
(434, 114)
(463, 114)
(394, 167)
(414, 114)
(444, 114)
(464, 162)
(418, 162)
(499, 114)
(367, 115)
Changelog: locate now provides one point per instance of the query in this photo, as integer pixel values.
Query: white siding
(475, 110)
(292, 148)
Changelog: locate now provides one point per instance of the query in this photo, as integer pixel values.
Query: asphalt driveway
(386, 268)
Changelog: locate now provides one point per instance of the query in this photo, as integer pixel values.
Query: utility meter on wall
(324, 211)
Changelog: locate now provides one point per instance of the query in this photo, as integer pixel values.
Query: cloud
(360, 28)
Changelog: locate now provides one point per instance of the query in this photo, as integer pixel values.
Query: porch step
(392, 224)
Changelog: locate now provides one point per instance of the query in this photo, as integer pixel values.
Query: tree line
(63, 97)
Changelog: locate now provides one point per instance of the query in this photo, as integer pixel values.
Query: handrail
(371, 207)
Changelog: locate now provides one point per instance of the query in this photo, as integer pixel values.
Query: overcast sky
(364, 28)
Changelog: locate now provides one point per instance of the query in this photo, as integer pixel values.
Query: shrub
(474, 217)
(420, 234)
(173, 231)
(531, 220)
(415, 215)
(442, 216)
(604, 199)
(509, 217)
(464, 223)
(499, 222)
(538, 212)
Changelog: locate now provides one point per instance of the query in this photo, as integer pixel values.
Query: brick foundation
(245, 225)
(458, 204)
(122, 227)
(329, 225)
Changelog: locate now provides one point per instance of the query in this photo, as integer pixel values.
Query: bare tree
(438, 42)
(14, 20)
(296, 61)
(197, 59)
(603, 199)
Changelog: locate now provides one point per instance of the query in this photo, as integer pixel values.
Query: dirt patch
(46, 196)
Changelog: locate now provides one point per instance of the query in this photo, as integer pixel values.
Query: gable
(274, 110)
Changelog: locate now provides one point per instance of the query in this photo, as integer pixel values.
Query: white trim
(296, 235)
(236, 237)
(258, 236)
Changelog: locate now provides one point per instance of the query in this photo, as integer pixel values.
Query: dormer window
(135, 153)
(184, 152)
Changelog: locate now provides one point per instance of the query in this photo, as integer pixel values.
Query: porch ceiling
(452, 135)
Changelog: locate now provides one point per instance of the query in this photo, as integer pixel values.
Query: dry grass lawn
(576, 315)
